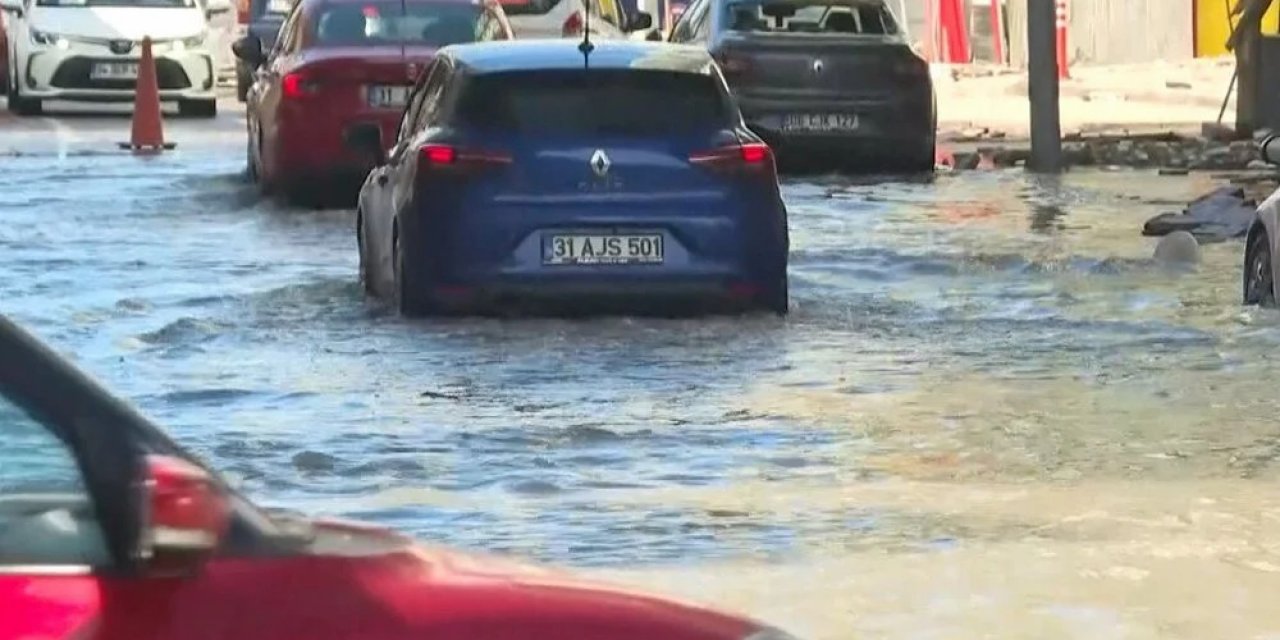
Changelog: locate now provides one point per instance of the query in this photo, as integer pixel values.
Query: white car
(88, 50)
(532, 19)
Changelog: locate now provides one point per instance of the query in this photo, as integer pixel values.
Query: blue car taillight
(446, 157)
(752, 157)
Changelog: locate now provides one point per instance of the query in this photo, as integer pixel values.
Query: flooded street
(989, 415)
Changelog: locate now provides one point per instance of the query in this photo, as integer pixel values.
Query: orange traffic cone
(148, 127)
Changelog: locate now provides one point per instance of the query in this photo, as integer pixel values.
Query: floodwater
(989, 415)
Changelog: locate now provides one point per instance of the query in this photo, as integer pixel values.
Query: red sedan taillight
(752, 157)
(572, 25)
(295, 86)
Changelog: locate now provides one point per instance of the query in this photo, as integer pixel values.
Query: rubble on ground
(1222, 214)
(1174, 153)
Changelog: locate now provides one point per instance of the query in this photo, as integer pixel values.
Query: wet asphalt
(987, 327)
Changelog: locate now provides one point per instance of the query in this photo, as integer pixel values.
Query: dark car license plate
(820, 122)
(602, 249)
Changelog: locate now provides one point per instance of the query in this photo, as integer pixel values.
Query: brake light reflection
(445, 155)
(750, 155)
(755, 153)
(294, 85)
(439, 154)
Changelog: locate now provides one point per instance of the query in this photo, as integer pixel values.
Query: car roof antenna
(586, 47)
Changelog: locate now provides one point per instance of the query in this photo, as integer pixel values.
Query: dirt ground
(1139, 98)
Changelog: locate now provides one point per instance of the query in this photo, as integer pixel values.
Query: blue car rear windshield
(624, 102)
(370, 24)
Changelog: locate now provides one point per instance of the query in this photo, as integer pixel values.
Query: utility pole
(1042, 86)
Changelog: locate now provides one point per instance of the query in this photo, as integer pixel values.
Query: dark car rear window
(528, 7)
(612, 102)
(799, 16)
(377, 23)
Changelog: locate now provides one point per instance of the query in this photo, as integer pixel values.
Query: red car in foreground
(339, 64)
(111, 531)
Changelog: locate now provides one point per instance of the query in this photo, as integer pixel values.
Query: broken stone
(1219, 215)
(1177, 248)
(1217, 131)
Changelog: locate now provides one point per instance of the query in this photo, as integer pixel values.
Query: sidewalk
(1119, 99)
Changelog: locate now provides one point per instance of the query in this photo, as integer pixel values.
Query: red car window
(46, 517)
(381, 23)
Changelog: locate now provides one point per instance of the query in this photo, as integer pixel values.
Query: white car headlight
(46, 38)
(770, 633)
(194, 42)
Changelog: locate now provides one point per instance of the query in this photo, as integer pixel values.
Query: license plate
(388, 97)
(114, 71)
(826, 122)
(603, 249)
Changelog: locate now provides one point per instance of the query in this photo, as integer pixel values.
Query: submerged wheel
(366, 282)
(251, 166)
(1259, 284)
(258, 169)
(920, 158)
(408, 296)
(777, 299)
(20, 105)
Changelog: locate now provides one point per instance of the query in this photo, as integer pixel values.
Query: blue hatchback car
(559, 176)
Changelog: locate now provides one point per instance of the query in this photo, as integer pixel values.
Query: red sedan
(111, 531)
(337, 65)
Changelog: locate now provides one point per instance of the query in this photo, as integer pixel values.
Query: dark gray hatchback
(827, 83)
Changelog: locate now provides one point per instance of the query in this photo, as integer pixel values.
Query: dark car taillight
(912, 67)
(752, 157)
(444, 157)
(734, 67)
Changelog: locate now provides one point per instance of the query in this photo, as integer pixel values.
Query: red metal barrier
(1063, 20)
(997, 31)
(955, 31)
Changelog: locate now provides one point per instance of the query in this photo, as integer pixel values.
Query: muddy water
(988, 416)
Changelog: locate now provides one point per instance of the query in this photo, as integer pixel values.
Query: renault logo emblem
(817, 67)
(600, 163)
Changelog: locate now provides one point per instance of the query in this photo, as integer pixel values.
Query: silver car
(1260, 275)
